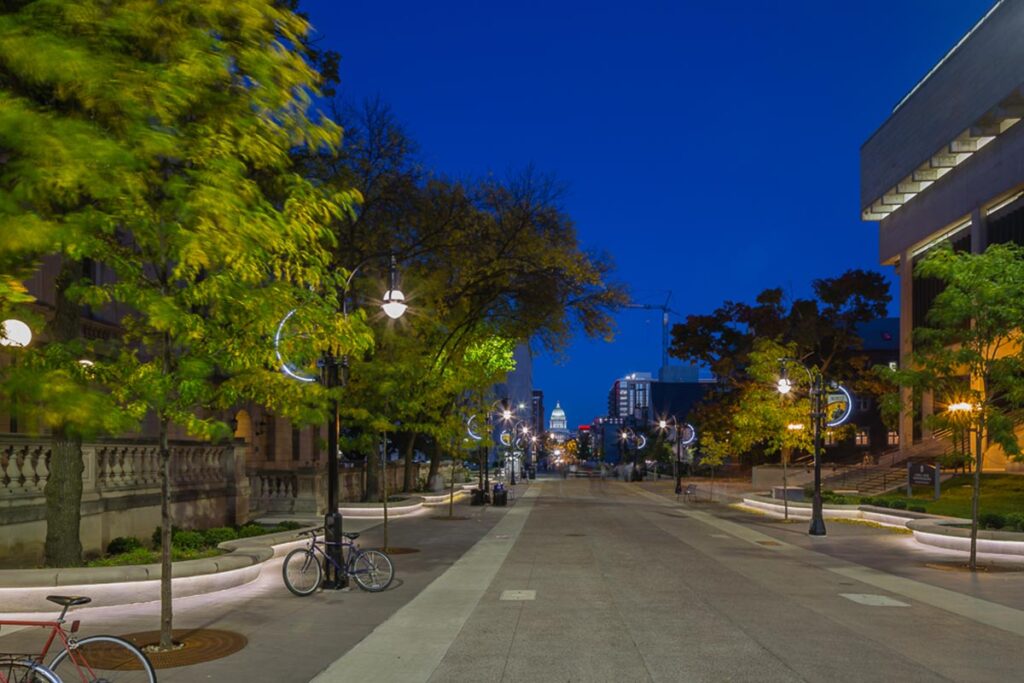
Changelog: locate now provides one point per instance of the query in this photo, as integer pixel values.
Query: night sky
(710, 147)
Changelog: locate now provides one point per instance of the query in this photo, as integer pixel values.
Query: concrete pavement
(590, 580)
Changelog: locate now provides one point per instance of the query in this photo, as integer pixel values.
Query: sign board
(838, 406)
(922, 474)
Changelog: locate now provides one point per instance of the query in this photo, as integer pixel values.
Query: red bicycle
(93, 659)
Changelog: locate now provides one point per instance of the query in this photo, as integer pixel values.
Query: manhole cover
(198, 645)
(391, 550)
(575, 534)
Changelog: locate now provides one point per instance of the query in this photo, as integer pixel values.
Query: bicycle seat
(349, 536)
(69, 600)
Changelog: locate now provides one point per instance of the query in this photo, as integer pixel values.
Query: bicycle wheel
(373, 570)
(302, 572)
(104, 659)
(26, 672)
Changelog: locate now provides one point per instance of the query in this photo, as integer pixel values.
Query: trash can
(533, 473)
(500, 495)
(477, 497)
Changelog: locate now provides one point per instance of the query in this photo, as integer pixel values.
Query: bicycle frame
(85, 672)
(348, 564)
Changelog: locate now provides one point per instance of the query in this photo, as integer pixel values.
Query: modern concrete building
(948, 165)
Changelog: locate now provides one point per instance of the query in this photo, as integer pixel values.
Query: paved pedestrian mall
(589, 580)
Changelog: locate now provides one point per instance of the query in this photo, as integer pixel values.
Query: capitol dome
(557, 423)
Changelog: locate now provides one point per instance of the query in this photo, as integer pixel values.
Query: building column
(904, 271)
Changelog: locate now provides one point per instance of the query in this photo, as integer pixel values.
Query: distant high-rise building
(537, 412)
(558, 425)
(630, 397)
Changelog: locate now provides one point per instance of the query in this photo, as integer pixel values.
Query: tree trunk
(976, 496)
(166, 528)
(63, 490)
(64, 501)
(371, 494)
(435, 464)
(451, 490)
(409, 483)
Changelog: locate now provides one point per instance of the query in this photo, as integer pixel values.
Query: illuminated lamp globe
(15, 333)
(785, 386)
(394, 303)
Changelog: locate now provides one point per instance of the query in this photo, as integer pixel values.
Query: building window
(894, 438)
(862, 438)
(864, 404)
(296, 443)
(830, 438)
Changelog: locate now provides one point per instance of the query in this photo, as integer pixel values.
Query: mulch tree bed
(195, 647)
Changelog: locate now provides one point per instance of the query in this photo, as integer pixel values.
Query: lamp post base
(817, 526)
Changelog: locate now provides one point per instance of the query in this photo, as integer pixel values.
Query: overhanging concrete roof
(973, 95)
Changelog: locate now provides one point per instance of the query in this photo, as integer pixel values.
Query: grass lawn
(1000, 493)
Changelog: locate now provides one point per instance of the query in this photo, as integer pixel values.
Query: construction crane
(665, 310)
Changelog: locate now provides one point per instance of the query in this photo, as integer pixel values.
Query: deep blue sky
(710, 147)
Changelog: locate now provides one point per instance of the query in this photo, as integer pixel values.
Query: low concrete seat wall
(932, 530)
(25, 590)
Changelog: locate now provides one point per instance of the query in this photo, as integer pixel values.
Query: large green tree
(971, 352)
(181, 182)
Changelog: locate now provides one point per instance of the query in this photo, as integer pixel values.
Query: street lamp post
(684, 435)
(334, 373)
(818, 420)
(629, 437)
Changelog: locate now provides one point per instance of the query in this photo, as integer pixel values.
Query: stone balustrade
(120, 490)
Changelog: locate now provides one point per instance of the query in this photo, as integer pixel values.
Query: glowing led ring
(286, 367)
(469, 429)
(643, 442)
(849, 407)
(693, 434)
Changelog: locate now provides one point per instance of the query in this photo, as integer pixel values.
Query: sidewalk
(292, 638)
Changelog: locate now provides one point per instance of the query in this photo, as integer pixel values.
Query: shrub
(867, 500)
(156, 535)
(217, 535)
(916, 508)
(250, 530)
(123, 544)
(188, 540)
(880, 502)
(290, 525)
(138, 555)
(1015, 521)
(991, 520)
(898, 504)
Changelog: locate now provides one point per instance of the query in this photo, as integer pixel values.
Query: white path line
(410, 645)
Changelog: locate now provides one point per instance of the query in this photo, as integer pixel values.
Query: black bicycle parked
(303, 571)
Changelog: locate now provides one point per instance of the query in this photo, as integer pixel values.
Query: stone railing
(120, 489)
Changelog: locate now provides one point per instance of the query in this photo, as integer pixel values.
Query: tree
(210, 233)
(736, 343)
(970, 353)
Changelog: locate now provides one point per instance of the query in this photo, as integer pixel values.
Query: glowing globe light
(15, 333)
(394, 303)
(785, 386)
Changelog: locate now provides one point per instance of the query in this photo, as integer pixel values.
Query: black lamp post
(817, 394)
(334, 373)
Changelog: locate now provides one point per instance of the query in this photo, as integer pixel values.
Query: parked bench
(690, 492)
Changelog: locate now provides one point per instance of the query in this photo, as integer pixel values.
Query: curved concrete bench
(941, 533)
(932, 530)
(410, 506)
(443, 498)
(25, 590)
